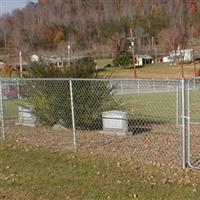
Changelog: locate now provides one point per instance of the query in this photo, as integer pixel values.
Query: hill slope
(89, 23)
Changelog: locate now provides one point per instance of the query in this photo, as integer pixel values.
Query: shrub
(80, 68)
(91, 98)
(51, 98)
(122, 59)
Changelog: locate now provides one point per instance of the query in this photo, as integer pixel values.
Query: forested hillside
(89, 24)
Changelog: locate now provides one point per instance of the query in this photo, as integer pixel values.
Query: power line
(132, 39)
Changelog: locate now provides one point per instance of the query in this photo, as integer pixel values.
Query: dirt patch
(155, 145)
(194, 146)
(6, 193)
(40, 136)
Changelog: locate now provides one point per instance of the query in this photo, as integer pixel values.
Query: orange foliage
(196, 29)
(51, 34)
(155, 8)
(59, 37)
(8, 70)
(47, 33)
(198, 73)
(44, 1)
(139, 3)
(194, 8)
(139, 6)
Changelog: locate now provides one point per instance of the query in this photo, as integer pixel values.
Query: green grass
(157, 71)
(27, 173)
(160, 107)
(104, 61)
(10, 107)
(158, 68)
(153, 106)
(157, 106)
(194, 108)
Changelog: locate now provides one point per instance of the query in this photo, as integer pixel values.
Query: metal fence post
(2, 112)
(17, 85)
(188, 125)
(154, 87)
(194, 86)
(72, 113)
(121, 88)
(168, 88)
(183, 130)
(177, 106)
(138, 86)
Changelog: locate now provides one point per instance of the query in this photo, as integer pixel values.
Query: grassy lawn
(157, 71)
(103, 62)
(149, 106)
(10, 107)
(194, 108)
(157, 106)
(27, 173)
(153, 106)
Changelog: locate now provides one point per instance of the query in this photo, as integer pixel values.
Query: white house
(185, 55)
(143, 59)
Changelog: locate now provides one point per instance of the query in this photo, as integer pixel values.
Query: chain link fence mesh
(193, 122)
(151, 108)
(38, 112)
(136, 119)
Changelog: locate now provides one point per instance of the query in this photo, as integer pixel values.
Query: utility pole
(182, 70)
(132, 39)
(20, 64)
(180, 59)
(152, 42)
(68, 53)
(156, 54)
(153, 46)
(194, 63)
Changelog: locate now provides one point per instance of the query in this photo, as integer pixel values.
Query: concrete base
(25, 124)
(116, 133)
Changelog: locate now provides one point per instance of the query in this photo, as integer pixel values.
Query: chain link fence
(193, 123)
(132, 119)
(38, 112)
(151, 134)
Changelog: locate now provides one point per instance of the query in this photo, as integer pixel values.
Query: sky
(7, 6)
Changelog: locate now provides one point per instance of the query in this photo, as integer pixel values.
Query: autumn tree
(171, 37)
(194, 7)
(96, 22)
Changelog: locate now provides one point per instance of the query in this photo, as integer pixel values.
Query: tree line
(88, 24)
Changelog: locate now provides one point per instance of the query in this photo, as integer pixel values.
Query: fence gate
(193, 123)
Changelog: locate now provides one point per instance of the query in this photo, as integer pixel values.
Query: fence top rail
(90, 79)
(193, 79)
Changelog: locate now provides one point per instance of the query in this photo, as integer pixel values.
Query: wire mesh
(137, 119)
(38, 111)
(150, 132)
(194, 122)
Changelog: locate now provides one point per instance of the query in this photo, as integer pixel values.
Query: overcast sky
(7, 6)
